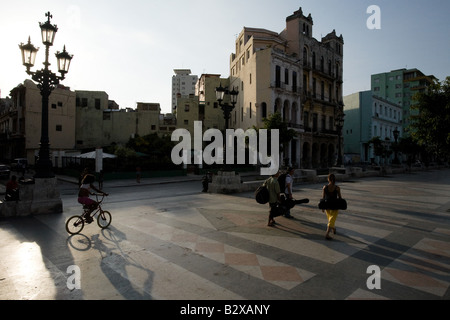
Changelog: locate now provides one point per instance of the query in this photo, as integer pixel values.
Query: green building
(399, 87)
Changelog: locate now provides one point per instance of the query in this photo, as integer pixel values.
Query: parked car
(4, 171)
(19, 164)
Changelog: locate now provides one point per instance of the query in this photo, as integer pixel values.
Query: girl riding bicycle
(87, 184)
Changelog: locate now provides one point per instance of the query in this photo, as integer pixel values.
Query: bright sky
(130, 48)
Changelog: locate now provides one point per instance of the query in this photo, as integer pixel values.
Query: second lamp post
(227, 109)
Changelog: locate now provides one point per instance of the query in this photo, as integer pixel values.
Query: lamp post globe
(29, 52)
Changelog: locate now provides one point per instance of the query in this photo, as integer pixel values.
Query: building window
(286, 76)
(294, 81)
(264, 110)
(59, 128)
(186, 108)
(97, 104)
(53, 105)
(306, 119)
(322, 90)
(315, 124)
(314, 87)
(277, 76)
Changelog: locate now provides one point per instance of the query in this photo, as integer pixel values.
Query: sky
(129, 49)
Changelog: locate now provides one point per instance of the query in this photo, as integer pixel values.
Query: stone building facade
(20, 123)
(296, 75)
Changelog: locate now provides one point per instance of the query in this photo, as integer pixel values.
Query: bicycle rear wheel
(104, 219)
(74, 224)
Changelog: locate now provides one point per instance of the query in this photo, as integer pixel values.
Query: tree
(275, 121)
(409, 147)
(430, 127)
(380, 148)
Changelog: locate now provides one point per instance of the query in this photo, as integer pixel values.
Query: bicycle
(75, 224)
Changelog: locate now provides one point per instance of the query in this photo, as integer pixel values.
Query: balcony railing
(295, 126)
(286, 87)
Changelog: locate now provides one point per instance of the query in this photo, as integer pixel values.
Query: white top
(289, 180)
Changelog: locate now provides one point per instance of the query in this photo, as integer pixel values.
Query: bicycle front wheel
(74, 225)
(104, 219)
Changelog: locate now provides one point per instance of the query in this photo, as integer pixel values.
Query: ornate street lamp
(396, 135)
(47, 82)
(339, 123)
(227, 109)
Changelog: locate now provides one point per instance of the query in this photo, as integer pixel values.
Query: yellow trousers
(332, 216)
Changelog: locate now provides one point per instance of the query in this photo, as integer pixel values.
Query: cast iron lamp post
(396, 135)
(339, 123)
(226, 108)
(47, 82)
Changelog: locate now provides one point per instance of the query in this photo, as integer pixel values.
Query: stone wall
(41, 197)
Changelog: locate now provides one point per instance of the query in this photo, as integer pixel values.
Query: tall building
(400, 86)
(296, 75)
(183, 85)
(202, 106)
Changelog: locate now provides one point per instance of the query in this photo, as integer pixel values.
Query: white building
(183, 85)
(386, 118)
(368, 116)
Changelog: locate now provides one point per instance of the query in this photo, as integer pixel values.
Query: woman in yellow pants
(331, 191)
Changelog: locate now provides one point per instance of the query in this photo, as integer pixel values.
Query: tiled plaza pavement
(219, 247)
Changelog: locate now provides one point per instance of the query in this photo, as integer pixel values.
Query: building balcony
(295, 126)
(321, 132)
(281, 86)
